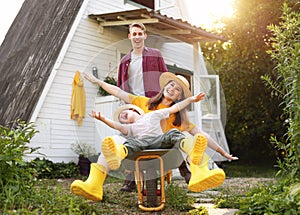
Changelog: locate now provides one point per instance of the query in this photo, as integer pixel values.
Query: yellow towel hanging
(78, 100)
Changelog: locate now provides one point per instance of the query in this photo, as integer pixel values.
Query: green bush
(281, 198)
(46, 169)
(20, 192)
(16, 181)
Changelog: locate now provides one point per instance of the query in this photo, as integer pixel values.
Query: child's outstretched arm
(183, 104)
(115, 125)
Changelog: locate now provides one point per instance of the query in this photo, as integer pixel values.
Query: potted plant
(86, 153)
(110, 80)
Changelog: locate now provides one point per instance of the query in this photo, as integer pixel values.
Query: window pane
(145, 3)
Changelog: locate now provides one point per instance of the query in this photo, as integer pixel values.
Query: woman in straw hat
(174, 88)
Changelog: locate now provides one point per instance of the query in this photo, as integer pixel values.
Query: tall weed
(286, 52)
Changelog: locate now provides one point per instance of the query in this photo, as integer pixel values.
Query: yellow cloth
(78, 99)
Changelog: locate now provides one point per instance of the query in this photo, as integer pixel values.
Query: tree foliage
(253, 113)
(283, 197)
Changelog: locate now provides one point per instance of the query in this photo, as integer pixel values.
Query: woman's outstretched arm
(111, 89)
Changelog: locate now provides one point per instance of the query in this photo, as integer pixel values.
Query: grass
(238, 169)
(114, 202)
(54, 195)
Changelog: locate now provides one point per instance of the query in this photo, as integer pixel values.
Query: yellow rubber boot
(92, 188)
(202, 178)
(113, 153)
(194, 148)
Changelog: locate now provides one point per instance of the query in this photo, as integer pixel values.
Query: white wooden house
(98, 38)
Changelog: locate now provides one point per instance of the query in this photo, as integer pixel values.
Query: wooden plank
(128, 22)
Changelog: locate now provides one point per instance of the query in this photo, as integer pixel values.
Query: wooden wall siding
(29, 53)
(105, 6)
(87, 47)
(184, 58)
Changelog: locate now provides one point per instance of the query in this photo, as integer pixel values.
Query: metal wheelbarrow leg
(151, 167)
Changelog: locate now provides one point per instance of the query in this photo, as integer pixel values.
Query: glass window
(144, 3)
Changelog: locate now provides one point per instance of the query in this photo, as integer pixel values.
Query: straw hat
(127, 107)
(168, 76)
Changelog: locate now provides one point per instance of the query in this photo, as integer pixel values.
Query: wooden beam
(198, 38)
(99, 19)
(176, 31)
(145, 16)
(121, 18)
(127, 22)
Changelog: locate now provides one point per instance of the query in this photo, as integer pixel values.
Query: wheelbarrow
(151, 168)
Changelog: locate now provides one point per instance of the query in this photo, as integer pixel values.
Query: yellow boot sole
(113, 153)
(200, 144)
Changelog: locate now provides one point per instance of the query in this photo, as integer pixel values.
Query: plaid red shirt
(153, 67)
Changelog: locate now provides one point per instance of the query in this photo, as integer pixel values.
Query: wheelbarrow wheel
(151, 187)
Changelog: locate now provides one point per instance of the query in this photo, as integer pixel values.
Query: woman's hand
(111, 89)
(226, 155)
(91, 78)
(198, 97)
(230, 157)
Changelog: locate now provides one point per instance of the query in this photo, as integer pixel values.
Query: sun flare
(205, 13)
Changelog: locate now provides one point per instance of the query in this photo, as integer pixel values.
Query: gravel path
(218, 211)
(238, 185)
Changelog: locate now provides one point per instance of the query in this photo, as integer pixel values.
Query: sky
(203, 12)
(8, 11)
